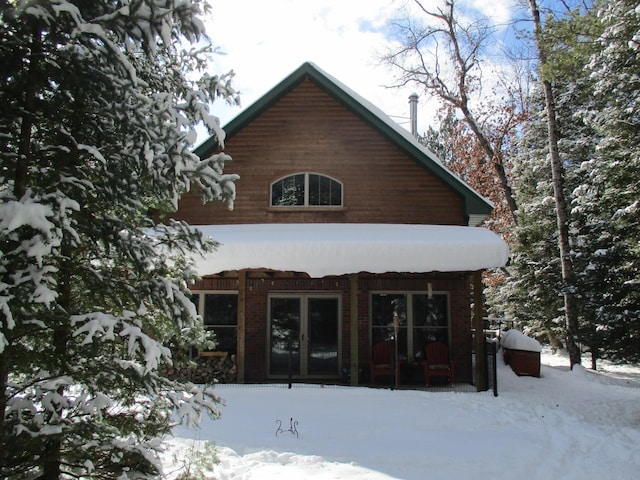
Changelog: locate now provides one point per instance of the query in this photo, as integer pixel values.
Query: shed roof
(477, 207)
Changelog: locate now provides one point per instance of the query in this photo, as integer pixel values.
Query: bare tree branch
(443, 56)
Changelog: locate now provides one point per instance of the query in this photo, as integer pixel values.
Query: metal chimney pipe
(413, 113)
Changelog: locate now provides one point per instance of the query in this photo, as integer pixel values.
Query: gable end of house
(477, 207)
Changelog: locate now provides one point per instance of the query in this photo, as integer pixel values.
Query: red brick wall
(309, 131)
(260, 284)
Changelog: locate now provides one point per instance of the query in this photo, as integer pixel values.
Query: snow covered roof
(477, 207)
(322, 249)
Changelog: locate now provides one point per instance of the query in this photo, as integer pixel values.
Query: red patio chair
(437, 364)
(381, 363)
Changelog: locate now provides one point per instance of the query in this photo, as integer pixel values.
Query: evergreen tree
(530, 295)
(597, 184)
(559, 190)
(535, 292)
(98, 120)
(609, 198)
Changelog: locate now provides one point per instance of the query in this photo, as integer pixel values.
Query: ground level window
(219, 312)
(422, 319)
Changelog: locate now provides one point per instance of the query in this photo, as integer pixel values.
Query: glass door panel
(430, 321)
(322, 336)
(285, 336)
(384, 307)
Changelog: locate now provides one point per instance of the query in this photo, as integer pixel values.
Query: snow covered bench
(522, 353)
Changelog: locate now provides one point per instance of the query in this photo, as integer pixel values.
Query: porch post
(481, 359)
(353, 314)
(242, 301)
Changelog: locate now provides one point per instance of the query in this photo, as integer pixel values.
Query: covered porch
(357, 265)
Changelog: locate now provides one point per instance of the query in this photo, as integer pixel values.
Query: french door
(304, 335)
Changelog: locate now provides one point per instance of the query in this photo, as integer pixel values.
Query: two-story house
(342, 221)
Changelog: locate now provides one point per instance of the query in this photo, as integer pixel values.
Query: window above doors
(306, 190)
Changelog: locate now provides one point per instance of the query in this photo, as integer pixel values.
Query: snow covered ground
(567, 424)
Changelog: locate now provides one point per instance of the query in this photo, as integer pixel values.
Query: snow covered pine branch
(100, 105)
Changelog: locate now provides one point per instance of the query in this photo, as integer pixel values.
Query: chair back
(437, 353)
(381, 353)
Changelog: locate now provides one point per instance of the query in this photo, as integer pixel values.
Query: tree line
(547, 128)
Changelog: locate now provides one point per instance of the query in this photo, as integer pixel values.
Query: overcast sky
(266, 40)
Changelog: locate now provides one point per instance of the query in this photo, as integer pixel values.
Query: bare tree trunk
(52, 456)
(568, 274)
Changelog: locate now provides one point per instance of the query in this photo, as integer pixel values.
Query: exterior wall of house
(309, 131)
(261, 284)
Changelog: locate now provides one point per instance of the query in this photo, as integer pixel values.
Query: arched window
(306, 190)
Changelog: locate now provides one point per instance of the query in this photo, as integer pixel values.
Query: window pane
(285, 335)
(314, 189)
(220, 309)
(430, 312)
(195, 299)
(324, 191)
(383, 308)
(322, 318)
(430, 322)
(289, 191)
(276, 193)
(335, 195)
(226, 338)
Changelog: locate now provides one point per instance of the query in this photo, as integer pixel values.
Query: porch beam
(242, 302)
(353, 318)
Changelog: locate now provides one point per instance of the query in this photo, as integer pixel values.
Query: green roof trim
(476, 206)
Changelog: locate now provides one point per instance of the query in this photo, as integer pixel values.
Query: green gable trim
(475, 204)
